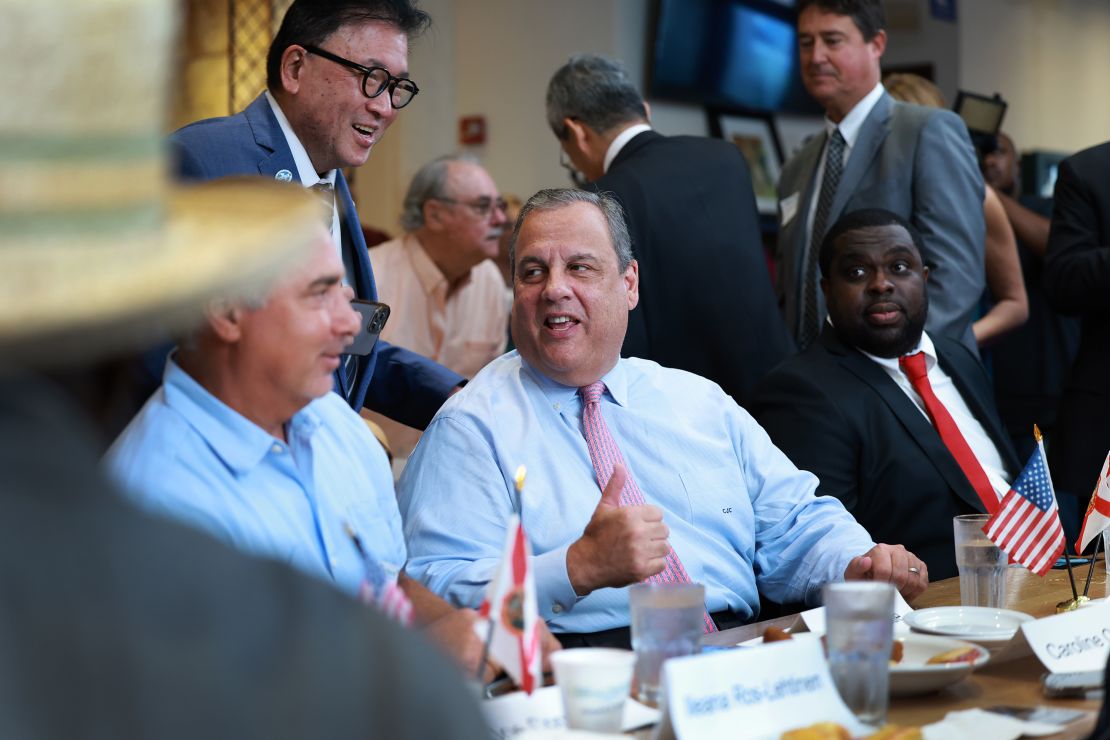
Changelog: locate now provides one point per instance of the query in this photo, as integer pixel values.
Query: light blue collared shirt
(739, 512)
(189, 456)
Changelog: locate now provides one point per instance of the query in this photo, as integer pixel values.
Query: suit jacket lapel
(916, 424)
(961, 372)
(871, 137)
(270, 139)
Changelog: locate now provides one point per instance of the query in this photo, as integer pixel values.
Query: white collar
(925, 345)
(853, 122)
(618, 143)
(300, 156)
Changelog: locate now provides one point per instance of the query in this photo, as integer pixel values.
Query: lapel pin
(284, 176)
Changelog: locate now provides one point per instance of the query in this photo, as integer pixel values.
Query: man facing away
(707, 304)
(245, 441)
(876, 153)
(446, 295)
(336, 76)
(866, 407)
(634, 471)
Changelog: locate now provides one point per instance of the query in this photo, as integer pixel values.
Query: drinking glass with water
(981, 563)
(859, 617)
(666, 623)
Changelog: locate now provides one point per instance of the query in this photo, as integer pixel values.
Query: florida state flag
(1097, 518)
(509, 610)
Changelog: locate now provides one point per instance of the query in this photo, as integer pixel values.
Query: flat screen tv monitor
(740, 54)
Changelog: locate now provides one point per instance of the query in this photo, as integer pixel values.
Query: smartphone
(1063, 685)
(372, 318)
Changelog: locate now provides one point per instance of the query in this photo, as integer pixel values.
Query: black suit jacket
(707, 304)
(837, 414)
(1077, 280)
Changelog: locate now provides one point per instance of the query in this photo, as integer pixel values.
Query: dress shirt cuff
(554, 592)
(835, 574)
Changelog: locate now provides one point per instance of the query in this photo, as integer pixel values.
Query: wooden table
(1015, 683)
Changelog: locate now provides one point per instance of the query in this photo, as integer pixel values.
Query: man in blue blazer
(336, 77)
(917, 162)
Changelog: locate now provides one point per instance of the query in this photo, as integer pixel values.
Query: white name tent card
(766, 689)
(1074, 641)
(519, 715)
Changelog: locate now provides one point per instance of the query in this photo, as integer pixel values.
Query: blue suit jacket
(406, 387)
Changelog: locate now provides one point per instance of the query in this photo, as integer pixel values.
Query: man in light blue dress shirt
(245, 441)
(739, 515)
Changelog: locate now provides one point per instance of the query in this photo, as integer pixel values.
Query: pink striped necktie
(604, 454)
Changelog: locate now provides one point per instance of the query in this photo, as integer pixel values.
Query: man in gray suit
(876, 153)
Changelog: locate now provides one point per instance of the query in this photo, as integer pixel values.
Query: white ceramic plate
(991, 628)
(913, 675)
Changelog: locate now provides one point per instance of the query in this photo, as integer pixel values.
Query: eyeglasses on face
(481, 206)
(375, 80)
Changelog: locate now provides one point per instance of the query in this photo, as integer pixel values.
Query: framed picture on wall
(755, 139)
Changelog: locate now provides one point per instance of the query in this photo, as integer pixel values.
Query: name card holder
(1074, 641)
(756, 692)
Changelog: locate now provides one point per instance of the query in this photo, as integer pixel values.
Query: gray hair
(429, 182)
(595, 91)
(553, 199)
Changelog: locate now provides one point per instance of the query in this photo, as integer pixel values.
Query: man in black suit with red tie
(1077, 281)
(707, 304)
(898, 424)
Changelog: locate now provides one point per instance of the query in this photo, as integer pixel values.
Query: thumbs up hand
(621, 544)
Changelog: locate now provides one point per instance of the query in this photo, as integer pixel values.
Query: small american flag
(1027, 525)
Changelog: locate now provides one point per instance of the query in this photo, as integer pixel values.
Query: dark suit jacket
(115, 624)
(707, 304)
(837, 414)
(1077, 280)
(406, 386)
(919, 163)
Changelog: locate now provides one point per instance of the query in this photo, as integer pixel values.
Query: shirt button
(557, 608)
(555, 406)
(333, 562)
(276, 448)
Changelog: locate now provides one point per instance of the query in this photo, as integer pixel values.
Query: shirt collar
(925, 345)
(618, 143)
(616, 385)
(853, 122)
(305, 169)
(238, 442)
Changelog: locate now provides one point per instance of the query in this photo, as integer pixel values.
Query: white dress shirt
(307, 171)
(947, 393)
(618, 143)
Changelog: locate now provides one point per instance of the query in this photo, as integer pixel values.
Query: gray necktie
(834, 166)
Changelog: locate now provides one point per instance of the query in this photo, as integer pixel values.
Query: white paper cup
(595, 683)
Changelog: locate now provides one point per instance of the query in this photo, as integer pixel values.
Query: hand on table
(893, 564)
(454, 634)
(621, 544)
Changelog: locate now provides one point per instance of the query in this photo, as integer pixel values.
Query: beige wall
(1049, 59)
(494, 57)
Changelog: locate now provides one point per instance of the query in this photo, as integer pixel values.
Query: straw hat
(96, 247)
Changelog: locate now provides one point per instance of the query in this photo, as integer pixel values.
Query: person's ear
(632, 284)
(226, 320)
(292, 67)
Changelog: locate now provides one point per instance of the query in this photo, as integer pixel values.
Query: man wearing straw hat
(113, 623)
(337, 75)
(635, 471)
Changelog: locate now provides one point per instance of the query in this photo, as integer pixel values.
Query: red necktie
(914, 368)
(604, 454)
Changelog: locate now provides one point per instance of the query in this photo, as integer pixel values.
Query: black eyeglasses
(481, 206)
(375, 80)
